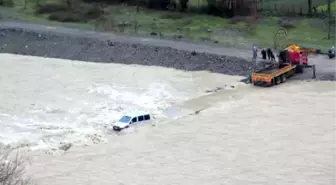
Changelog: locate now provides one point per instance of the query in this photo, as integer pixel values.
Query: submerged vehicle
(131, 119)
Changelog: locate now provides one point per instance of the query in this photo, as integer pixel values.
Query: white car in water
(131, 119)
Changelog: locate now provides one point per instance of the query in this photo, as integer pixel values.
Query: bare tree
(309, 7)
(329, 19)
(13, 168)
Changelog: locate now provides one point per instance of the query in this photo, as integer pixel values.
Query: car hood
(120, 124)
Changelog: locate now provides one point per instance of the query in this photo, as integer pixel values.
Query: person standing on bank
(269, 51)
(263, 53)
(331, 52)
(270, 55)
(255, 55)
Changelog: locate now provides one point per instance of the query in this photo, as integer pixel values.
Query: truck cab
(298, 58)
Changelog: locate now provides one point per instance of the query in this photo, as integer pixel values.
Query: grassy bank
(324, 7)
(237, 32)
(297, 4)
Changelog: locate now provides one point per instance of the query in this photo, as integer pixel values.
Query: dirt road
(213, 49)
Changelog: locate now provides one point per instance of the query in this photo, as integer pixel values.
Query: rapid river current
(241, 135)
(47, 102)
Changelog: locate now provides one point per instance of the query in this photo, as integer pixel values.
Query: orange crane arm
(295, 47)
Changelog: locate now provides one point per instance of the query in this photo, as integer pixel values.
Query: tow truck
(292, 60)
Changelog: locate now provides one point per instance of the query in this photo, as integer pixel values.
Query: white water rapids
(246, 135)
(46, 102)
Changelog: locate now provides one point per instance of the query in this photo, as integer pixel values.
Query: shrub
(287, 24)
(171, 15)
(92, 12)
(183, 5)
(158, 4)
(70, 11)
(237, 19)
(7, 3)
(104, 23)
(50, 8)
(12, 169)
(66, 17)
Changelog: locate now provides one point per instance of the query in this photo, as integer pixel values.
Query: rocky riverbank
(74, 44)
(49, 44)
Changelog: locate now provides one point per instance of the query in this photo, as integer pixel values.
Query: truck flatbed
(269, 70)
(272, 74)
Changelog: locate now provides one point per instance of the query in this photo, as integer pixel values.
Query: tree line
(225, 8)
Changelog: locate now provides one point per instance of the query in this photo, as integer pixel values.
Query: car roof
(136, 113)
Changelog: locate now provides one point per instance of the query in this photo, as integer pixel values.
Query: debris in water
(214, 90)
(65, 146)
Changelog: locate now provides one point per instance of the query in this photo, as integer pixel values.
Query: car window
(147, 117)
(140, 118)
(125, 119)
(134, 120)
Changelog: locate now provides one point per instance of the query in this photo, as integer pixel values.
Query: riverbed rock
(96, 50)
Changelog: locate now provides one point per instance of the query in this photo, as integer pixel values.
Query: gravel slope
(68, 44)
(75, 44)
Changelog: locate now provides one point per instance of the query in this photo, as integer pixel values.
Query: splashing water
(49, 102)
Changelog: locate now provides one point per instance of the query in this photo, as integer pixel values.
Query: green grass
(325, 7)
(190, 26)
(210, 28)
(291, 4)
(272, 3)
(197, 3)
(304, 34)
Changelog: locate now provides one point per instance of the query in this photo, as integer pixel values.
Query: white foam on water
(282, 135)
(49, 102)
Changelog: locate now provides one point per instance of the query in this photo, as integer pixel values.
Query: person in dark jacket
(331, 52)
(255, 55)
(270, 54)
(263, 53)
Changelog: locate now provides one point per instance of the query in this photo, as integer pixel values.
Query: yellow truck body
(268, 76)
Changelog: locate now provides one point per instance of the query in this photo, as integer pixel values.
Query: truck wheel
(283, 78)
(291, 73)
(277, 80)
(273, 82)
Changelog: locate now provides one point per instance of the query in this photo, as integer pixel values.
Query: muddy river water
(242, 135)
